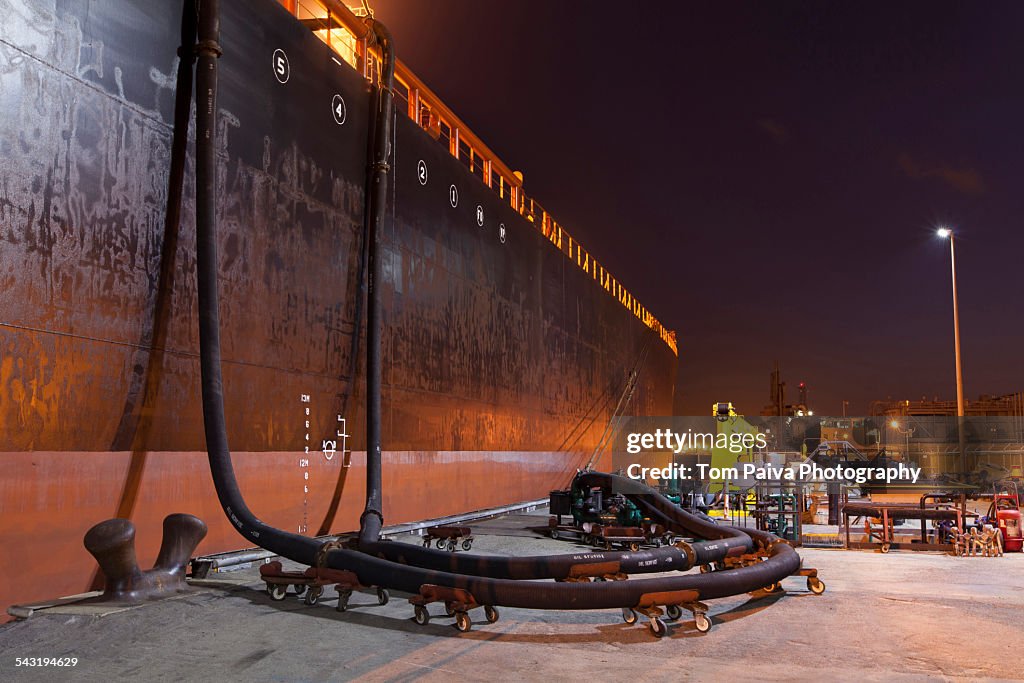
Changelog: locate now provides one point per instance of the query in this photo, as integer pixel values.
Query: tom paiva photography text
(805, 471)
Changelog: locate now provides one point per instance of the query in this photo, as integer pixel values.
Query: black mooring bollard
(112, 543)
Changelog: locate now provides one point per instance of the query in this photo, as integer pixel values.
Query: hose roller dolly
(449, 537)
(457, 603)
(311, 583)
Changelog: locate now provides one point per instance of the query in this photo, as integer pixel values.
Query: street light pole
(944, 233)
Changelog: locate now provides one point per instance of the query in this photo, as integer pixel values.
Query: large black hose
(296, 547)
(372, 519)
(669, 558)
(782, 562)
(724, 541)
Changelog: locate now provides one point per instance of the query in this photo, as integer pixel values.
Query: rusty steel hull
(502, 359)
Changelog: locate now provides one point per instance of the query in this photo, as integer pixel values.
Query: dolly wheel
(451, 545)
(673, 612)
(554, 534)
(299, 589)
(772, 587)
(426, 541)
(382, 596)
(628, 615)
(420, 615)
(658, 627)
(441, 543)
(343, 600)
(466, 545)
(815, 585)
(702, 622)
(706, 569)
(277, 591)
(884, 548)
(634, 546)
(463, 622)
(491, 613)
(313, 596)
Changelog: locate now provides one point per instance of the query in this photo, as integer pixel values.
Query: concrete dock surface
(898, 616)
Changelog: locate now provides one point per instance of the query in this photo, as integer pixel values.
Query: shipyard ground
(900, 616)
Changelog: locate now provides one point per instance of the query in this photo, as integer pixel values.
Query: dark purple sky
(766, 177)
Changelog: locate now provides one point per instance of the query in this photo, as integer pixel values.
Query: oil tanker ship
(507, 346)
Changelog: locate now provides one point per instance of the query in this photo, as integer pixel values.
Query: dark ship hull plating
(502, 359)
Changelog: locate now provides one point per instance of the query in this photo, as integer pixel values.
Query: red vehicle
(1005, 511)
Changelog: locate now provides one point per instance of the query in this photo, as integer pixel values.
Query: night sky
(767, 177)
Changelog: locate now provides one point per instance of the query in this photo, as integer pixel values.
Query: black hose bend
(724, 541)
(782, 562)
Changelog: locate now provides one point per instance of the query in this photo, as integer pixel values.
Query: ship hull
(503, 360)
